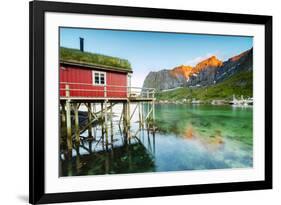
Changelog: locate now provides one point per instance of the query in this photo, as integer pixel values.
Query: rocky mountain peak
(182, 70)
(212, 61)
(207, 72)
(241, 55)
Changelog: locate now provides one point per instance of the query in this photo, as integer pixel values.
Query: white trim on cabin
(101, 77)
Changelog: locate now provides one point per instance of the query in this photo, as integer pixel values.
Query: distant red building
(82, 79)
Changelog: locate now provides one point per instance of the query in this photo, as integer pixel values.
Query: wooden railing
(68, 89)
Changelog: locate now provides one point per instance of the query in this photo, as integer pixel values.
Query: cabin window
(99, 78)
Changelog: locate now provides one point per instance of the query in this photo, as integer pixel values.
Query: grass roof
(76, 56)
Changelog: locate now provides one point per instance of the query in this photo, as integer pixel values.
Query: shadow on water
(128, 158)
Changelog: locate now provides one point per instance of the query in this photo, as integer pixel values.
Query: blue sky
(153, 51)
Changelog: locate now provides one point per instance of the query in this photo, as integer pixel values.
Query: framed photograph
(140, 102)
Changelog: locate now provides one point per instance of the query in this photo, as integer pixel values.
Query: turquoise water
(187, 137)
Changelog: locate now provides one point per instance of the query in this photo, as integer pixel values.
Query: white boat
(242, 101)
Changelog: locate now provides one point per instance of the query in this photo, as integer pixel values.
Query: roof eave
(95, 66)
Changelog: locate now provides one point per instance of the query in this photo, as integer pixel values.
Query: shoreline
(201, 102)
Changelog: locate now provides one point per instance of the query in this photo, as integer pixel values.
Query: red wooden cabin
(84, 79)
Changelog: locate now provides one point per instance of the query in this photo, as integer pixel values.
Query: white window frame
(99, 73)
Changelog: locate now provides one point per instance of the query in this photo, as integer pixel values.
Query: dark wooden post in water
(128, 117)
(102, 122)
(63, 114)
(147, 115)
(68, 123)
(89, 105)
(141, 116)
(76, 119)
(105, 124)
(125, 126)
(153, 111)
(94, 111)
(124, 116)
(111, 124)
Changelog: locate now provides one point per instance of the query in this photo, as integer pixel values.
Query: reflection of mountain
(189, 121)
(128, 158)
(206, 73)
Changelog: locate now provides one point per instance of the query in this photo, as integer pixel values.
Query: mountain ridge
(205, 73)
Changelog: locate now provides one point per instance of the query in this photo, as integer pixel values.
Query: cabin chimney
(81, 44)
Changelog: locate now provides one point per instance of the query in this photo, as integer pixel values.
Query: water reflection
(187, 138)
(130, 157)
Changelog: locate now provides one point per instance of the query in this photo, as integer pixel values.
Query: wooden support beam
(148, 114)
(68, 124)
(76, 119)
(128, 114)
(153, 112)
(142, 116)
(121, 116)
(124, 116)
(63, 114)
(139, 110)
(153, 135)
(125, 127)
(111, 124)
(128, 120)
(94, 111)
(106, 124)
(133, 112)
(90, 134)
(102, 122)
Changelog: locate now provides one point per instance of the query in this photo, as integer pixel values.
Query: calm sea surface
(188, 137)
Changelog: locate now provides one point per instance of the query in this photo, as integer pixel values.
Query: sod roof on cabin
(75, 56)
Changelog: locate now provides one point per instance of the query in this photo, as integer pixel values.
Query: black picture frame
(37, 101)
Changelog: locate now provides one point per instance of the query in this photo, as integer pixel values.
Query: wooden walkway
(102, 99)
(69, 103)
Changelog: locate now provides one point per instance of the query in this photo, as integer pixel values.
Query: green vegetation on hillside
(239, 84)
(76, 56)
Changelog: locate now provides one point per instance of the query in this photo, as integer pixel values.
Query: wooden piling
(147, 115)
(124, 115)
(102, 122)
(76, 119)
(111, 124)
(125, 126)
(68, 123)
(105, 124)
(128, 115)
(90, 134)
(153, 111)
(142, 116)
(63, 114)
(140, 120)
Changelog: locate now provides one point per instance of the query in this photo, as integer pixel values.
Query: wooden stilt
(102, 123)
(111, 125)
(106, 124)
(153, 112)
(124, 116)
(68, 124)
(128, 114)
(90, 118)
(95, 130)
(147, 116)
(125, 127)
(63, 114)
(142, 120)
(76, 119)
(153, 135)
(140, 115)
